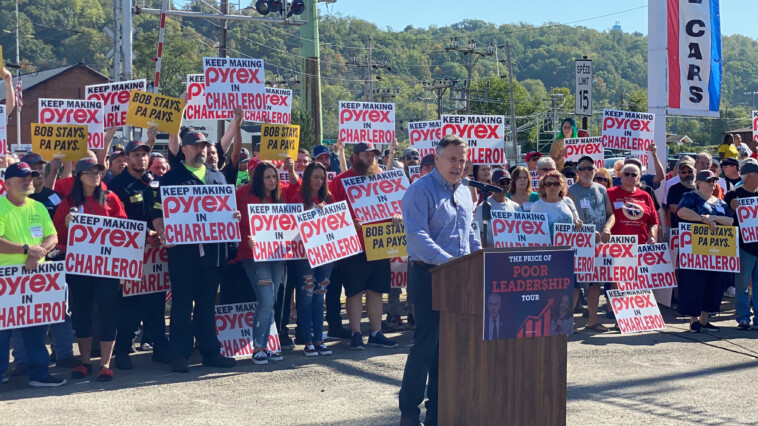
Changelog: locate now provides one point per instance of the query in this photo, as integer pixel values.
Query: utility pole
(426, 100)
(310, 86)
(386, 94)
(439, 87)
(18, 78)
(514, 135)
(470, 54)
(370, 65)
(221, 124)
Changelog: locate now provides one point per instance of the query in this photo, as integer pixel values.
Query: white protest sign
(108, 247)
(747, 214)
(195, 214)
(535, 179)
(615, 261)
(485, 135)
(424, 136)
(75, 111)
(31, 298)
(376, 197)
(234, 83)
(275, 233)
(285, 177)
(627, 130)
(636, 311)
(577, 148)
(234, 330)
(399, 272)
(155, 278)
(517, 229)
(328, 234)
(3, 191)
(366, 122)
(195, 108)
(115, 98)
(655, 270)
(582, 241)
(415, 172)
(755, 126)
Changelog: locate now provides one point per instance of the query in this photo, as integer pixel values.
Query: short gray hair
(450, 140)
(544, 161)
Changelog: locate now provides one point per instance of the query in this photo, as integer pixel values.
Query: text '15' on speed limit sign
(583, 87)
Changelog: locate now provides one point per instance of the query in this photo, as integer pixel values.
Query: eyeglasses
(411, 157)
(601, 179)
(549, 184)
(586, 168)
(547, 169)
(504, 182)
(632, 175)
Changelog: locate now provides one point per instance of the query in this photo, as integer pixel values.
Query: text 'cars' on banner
(274, 231)
(75, 111)
(485, 135)
(615, 261)
(528, 292)
(376, 197)
(108, 247)
(698, 253)
(155, 276)
(65, 141)
(30, 298)
(234, 83)
(234, 330)
(152, 110)
(328, 234)
(636, 311)
(629, 131)
(424, 136)
(115, 98)
(581, 241)
(384, 241)
(195, 214)
(366, 122)
(517, 229)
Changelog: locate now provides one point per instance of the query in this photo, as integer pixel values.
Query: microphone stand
(486, 216)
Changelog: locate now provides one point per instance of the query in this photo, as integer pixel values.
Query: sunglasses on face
(633, 175)
(549, 184)
(411, 157)
(504, 182)
(586, 168)
(601, 179)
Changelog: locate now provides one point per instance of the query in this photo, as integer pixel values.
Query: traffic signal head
(296, 8)
(274, 6)
(261, 6)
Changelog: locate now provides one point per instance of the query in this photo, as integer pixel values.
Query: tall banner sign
(115, 98)
(424, 136)
(29, 298)
(694, 57)
(366, 122)
(583, 71)
(485, 135)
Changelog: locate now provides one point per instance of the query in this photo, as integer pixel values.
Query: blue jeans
(310, 299)
(63, 342)
(34, 341)
(748, 270)
(264, 294)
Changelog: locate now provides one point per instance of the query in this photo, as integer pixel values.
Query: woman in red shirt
(87, 196)
(312, 282)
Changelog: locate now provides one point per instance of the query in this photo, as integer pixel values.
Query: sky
(598, 14)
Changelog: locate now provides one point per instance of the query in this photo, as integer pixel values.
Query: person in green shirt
(27, 234)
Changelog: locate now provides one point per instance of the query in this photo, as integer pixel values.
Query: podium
(494, 382)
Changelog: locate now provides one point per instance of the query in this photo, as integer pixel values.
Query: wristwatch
(26, 248)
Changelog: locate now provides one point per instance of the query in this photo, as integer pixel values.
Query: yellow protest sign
(2, 61)
(279, 141)
(722, 242)
(384, 241)
(149, 109)
(65, 141)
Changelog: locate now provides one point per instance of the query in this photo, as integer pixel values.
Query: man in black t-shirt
(49, 198)
(731, 169)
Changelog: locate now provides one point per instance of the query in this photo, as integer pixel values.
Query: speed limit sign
(583, 87)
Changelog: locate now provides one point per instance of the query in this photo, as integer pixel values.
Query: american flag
(19, 94)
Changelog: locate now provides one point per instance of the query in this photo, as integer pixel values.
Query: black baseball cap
(83, 165)
(20, 170)
(135, 145)
(32, 158)
(366, 146)
(194, 138)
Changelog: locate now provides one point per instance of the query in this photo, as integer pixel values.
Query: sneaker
(219, 361)
(274, 356)
(743, 325)
(323, 350)
(286, 342)
(105, 374)
(339, 333)
(356, 342)
(696, 327)
(69, 362)
(260, 358)
(49, 381)
(123, 362)
(81, 371)
(379, 340)
(310, 351)
(730, 292)
(180, 365)
(710, 327)
(146, 347)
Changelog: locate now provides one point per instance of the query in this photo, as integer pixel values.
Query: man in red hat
(531, 160)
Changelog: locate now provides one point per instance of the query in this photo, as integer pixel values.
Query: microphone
(13, 66)
(481, 186)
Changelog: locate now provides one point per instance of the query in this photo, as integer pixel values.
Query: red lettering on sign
(321, 225)
(102, 236)
(368, 189)
(626, 124)
(367, 115)
(232, 75)
(196, 204)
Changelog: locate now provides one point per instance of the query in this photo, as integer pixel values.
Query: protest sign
(328, 234)
(485, 135)
(195, 214)
(74, 111)
(3, 130)
(424, 136)
(721, 242)
(285, 177)
(636, 311)
(674, 242)
(155, 277)
(366, 122)
(376, 197)
(688, 259)
(615, 261)
(517, 229)
(278, 107)
(152, 110)
(3, 191)
(30, 298)
(384, 241)
(234, 330)
(108, 247)
(279, 141)
(115, 98)
(582, 242)
(415, 172)
(68, 142)
(399, 272)
(196, 108)
(278, 103)
(747, 214)
(535, 180)
(234, 83)
(627, 130)
(274, 231)
(528, 293)
(654, 271)
(755, 126)
(577, 148)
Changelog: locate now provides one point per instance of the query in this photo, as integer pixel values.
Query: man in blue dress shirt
(437, 211)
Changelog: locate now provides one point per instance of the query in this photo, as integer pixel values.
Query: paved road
(673, 377)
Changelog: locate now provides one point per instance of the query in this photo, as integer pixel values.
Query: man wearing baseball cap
(686, 184)
(731, 169)
(531, 159)
(135, 188)
(117, 163)
(427, 164)
(27, 234)
(194, 269)
(357, 273)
